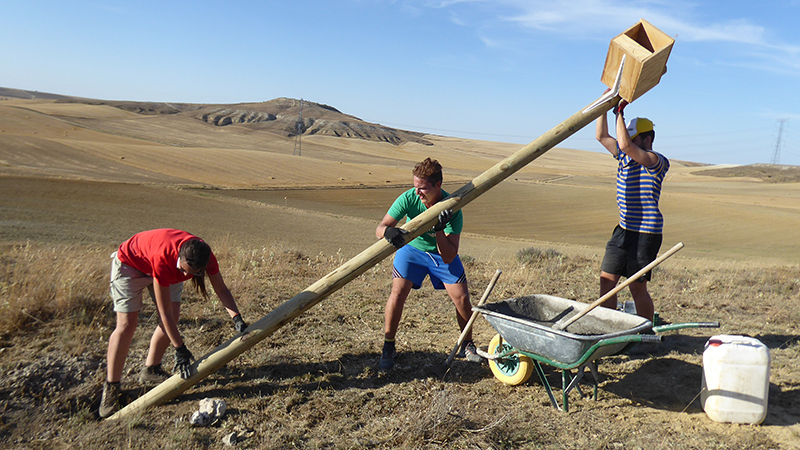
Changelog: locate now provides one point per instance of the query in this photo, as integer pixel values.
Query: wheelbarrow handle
(650, 338)
(680, 326)
(563, 325)
(468, 326)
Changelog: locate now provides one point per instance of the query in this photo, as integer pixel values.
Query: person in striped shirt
(637, 238)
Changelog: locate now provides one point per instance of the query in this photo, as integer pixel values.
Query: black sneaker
(153, 375)
(387, 358)
(471, 352)
(109, 403)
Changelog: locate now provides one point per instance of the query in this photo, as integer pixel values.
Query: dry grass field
(79, 177)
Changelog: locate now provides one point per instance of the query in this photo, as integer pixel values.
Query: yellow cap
(639, 125)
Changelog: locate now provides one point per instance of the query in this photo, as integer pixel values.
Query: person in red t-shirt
(160, 261)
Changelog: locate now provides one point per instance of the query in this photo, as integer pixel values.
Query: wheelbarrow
(526, 338)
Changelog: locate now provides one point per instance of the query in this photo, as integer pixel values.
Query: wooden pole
(359, 264)
(563, 325)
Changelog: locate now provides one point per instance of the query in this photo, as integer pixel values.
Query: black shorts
(627, 252)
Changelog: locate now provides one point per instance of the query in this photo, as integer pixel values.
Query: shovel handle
(468, 326)
(620, 286)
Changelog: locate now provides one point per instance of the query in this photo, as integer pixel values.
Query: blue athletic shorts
(413, 265)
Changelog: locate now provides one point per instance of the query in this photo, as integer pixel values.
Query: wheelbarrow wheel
(512, 370)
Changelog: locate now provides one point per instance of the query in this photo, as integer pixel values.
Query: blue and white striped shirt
(638, 192)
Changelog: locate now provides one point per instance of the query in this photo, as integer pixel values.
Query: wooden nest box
(647, 50)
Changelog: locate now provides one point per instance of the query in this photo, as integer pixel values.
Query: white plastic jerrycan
(735, 379)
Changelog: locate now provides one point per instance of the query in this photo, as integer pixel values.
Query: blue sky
(499, 70)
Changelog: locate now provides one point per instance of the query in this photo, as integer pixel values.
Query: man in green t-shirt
(434, 254)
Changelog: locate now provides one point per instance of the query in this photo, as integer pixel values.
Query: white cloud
(734, 31)
(595, 19)
(458, 20)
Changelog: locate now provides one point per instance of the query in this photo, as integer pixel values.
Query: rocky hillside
(282, 115)
(279, 115)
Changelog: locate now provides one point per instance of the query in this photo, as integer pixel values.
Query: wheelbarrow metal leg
(569, 382)
(573, 381)
(596, 375)
(546, 384)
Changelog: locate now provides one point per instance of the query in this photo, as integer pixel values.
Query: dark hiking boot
(153, 375)
(109, 403)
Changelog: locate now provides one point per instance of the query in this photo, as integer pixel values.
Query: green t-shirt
(409, 204)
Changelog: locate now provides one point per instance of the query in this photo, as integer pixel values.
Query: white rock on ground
(211, 410)
(230, 439)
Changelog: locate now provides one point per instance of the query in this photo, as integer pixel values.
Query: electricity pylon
(298, 131)
(776, 156)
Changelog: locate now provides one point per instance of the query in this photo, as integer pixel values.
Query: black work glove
(395, 236)
(444, 217)
(183, 361)
(621, 106)
(238, 323)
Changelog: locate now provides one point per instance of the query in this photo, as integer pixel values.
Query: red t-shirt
(155, 253)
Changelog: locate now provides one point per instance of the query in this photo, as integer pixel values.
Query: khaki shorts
(128, 284)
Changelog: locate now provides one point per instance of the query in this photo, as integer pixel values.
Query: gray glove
(183, 361)
(444, 217)
(239, 323)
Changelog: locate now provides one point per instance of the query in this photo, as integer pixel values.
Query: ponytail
(196, 253)
(199, 283)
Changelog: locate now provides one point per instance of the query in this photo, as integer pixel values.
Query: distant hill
(30, 95)
(770, 173)
(279, 115)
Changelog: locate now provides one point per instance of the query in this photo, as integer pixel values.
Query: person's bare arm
(224, 294)
(643, 157)
(601, 134)
(447, 244)
(164, 305)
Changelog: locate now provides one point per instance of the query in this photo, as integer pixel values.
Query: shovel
(563, 325)
(441, 370)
